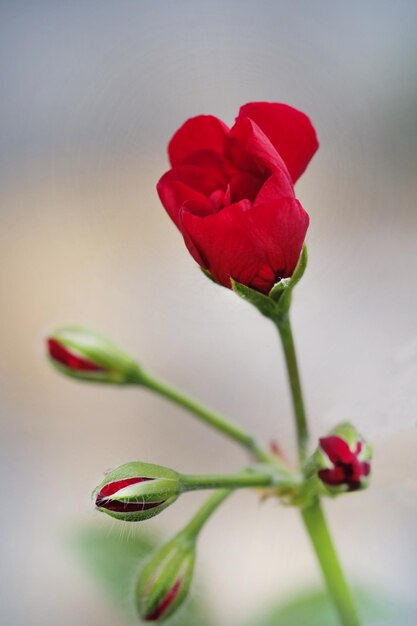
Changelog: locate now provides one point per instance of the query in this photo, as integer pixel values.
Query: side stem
(244, 480)
(197, 522)
(213, 419)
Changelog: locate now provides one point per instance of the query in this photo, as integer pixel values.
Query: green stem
(196, 523)
(220, 423)
(285, 331)
(337, 586)
(313, 516)
(244, 480)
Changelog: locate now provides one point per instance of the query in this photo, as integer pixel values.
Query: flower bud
(342, 460)
(164, 581)
(137, 491)
(87, 355)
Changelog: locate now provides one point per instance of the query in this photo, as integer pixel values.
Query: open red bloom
(230, 192)
(348, 469)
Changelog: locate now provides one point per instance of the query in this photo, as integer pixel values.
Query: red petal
(63, 355)
(335, 476)
(366, 469)
(337, 449)
(205, 171)
(173, 193)
(244, 186)
(116, 485)
(204, 132)
(127, 507)
(250, 149)
(108, 490)
(165, 603)
(254, 245)
(200, 175)
(355, 469)
(289, 130)
(276, 187)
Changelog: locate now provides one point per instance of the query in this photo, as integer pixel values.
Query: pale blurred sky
(91, 93)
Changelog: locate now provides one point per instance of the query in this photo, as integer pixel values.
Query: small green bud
(88, 355)
(342, 460)
(137, 491)
(164, 581)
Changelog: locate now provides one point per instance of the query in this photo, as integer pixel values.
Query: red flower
(230, 192)
(348, 468)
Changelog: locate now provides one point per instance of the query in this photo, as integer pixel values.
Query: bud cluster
(137, 491)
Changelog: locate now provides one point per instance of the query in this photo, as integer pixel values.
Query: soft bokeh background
(91, 93)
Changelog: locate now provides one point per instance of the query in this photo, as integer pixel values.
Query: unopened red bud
(164, 581)
(137, 491)
(88, 355)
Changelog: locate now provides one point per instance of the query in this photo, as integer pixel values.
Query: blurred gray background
(91, 93)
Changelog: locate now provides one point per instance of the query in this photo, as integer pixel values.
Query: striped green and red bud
(137, 491)
(164, 581)
(87, 355)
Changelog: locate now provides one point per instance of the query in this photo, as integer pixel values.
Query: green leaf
(114, 556)
(314, 608)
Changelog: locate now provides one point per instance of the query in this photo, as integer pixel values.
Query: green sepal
(263, 303)
(276, 304)
(169, 570)
(209, 276)
(279, 289)
(301, 267)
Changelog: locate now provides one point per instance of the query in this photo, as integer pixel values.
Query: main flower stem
(285, 332)
(313, 517)
(320, 537)
(210, 417)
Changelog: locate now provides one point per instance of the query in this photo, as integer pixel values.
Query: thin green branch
(197, 522)
(210, 417)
